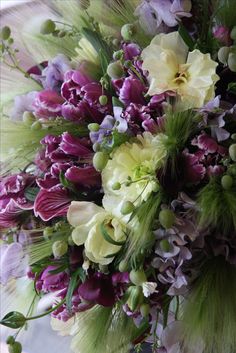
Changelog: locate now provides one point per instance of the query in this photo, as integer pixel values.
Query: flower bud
(223, 54)
(96, 147)
(61, 34)
(227, 182)
(115, 70)
(116, 186)
(103, 100)
(144, 309)
(166, 218)
(15, 348)
(94, 127)
(118, 55)
(59, 248)
(47, 232)
(233, 136)
(136, 297)
(123, 266)
(5, 32)
(137, 277)
(165, 245)
(14, 320)
(232, 61)
(47, 27)
(232, 152)
(100, 160)
(71, 241)
(28, 118)
(232, 170)
(128, 31)
(127, 207)
(10, 340)
(233, 33)
(36, 126)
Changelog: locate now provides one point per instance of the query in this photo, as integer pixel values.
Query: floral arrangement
(118, 174)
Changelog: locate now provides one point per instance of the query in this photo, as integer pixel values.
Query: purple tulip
(51, 282)
(130, 90)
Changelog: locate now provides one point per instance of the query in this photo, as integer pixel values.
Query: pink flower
(47, 104)
(222, 33)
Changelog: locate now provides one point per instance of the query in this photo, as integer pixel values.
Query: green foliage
(210, 313)
(217, 207)
(77, 276)
(225, 12)
(104, 330)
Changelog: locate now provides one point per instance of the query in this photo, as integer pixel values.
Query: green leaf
(14, 320)
(117, 103)
(118, 138)
(97, 42)
(103, 61)
(186, 36)
(232, 87)
(78, 274)
(31, 193)
(107, 237)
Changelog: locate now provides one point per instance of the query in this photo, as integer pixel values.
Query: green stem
(47, 312)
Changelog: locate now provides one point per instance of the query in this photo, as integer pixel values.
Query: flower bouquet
(118, 174)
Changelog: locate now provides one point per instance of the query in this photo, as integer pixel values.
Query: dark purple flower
(51, 203)
(12, 198)
(98, 289)
(86, 176)
(74, 146)
(51, 282)
(47, 104)
(131, 51)
(194, 170)
(207, 144)
(130, 90)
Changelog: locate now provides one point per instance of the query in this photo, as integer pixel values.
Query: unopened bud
(93, 127)
(5, 32)
(128, 31)
(138, 277)
(28, 118)
(232, 61)
(115, 70)
(47, 27)
(100, 160)
(232, 152)
(59, 248)
(15, 348)
(127, 207)
(223, 54)
(103, 100)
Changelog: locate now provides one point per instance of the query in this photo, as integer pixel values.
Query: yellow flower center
(182, 75)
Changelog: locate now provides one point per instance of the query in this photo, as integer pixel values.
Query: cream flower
(192, 75)
(136, 162)
(87, 218)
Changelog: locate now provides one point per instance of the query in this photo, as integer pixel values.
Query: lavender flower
(13, 262)
(22, 104)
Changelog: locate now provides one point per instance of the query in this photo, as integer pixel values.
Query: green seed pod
(62, 34)
(123, 266)
(227, 182)
(28, 118)
(116, 186)
(5, 32)
(166, 218)
(144, 309)
(233, 136)
(10, 340)
(103, 100)
(127, 207)
(232, 170)
(233, 33)
(165, 245)
(59, 248)
(48, 27)
(136, 298)
(96, 147)
(232, 152)
(138, 277)
(36, 126)
(100, 160)
(232, 62)
(128, 31)
(15, 348)
(223, 54)
(47, 232)
(118, 55)
(115, 70)
(94, 127)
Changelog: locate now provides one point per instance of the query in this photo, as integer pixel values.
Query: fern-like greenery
(217, 207)
(210, 313)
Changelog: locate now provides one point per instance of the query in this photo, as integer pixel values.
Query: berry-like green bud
(227, 182)
(123, 266)
(223, 54)
(127, 207)
(94, 127)
(10, 41)
(15, 348)
(70, 241)
(96, 147)
(165, 245)
(28, 118)
(48, 27)
(118, 55)
(232, 152)
(232, 61)
(128, 64)
(233, 136)
(233, 33)
(128, 31)
(136, 297)
(144, 309)
(137, 277)
(232, 170)
(59, 248)
(166, 218)
(5, 32)
(100, 160)
(48, 232)
(116, 186)
(10, 340)
(61, 34)
(103, 100)
(36, 126)
(115, 70)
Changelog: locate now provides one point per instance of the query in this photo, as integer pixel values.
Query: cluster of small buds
(227, 55)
